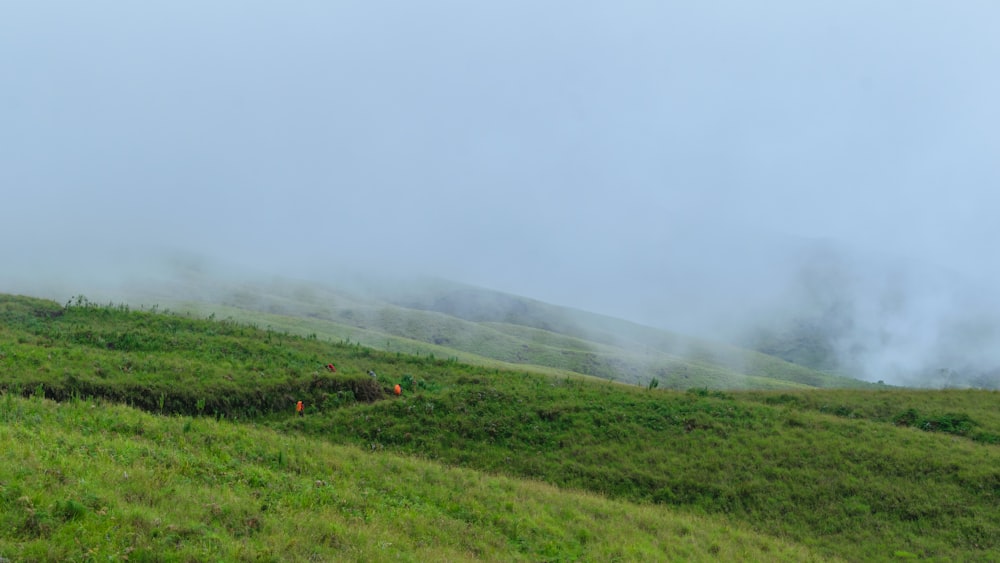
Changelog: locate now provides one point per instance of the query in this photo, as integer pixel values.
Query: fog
(722, 168)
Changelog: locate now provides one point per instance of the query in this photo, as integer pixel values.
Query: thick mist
(878, 317)
(816, 180)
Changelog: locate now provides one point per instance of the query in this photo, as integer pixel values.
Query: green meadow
(90, 481)
(146, 435)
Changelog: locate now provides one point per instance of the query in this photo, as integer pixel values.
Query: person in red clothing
(397, 389)
(300, 409)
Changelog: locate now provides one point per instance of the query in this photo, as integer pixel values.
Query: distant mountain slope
(647, 352)
(485, 327)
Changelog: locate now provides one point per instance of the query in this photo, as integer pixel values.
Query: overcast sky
(569, 151)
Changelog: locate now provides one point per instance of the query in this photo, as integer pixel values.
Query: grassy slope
(665, 351)
(546, 349)
(968, 413)
(492, 328)
(848, 473)
(852, 487)
(80, 481)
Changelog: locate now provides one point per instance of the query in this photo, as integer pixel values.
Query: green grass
(967, 413)
(853, 474)
(81, 481)
(840, 485)
(169, 363)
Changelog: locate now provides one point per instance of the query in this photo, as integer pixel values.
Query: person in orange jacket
(299, 408)
(397, 389)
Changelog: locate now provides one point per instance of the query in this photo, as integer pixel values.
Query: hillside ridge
(433, 316)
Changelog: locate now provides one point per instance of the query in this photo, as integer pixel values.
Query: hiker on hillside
(300, 409)
(331, 368)
(371, 372)
(397, 390)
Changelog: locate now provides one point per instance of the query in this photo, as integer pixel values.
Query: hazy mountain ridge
(483, 305)
(433, 316)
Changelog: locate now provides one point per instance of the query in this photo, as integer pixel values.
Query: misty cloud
(648, 160)
(880, 318)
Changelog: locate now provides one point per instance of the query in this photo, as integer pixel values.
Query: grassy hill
(85, 481)
(492, 329)
(853, 474)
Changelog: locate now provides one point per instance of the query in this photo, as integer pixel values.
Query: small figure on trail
(397, 389)
(331, 368)
(300, 409)
(371, 372)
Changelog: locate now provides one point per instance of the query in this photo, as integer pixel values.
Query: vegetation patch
(842, 471)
